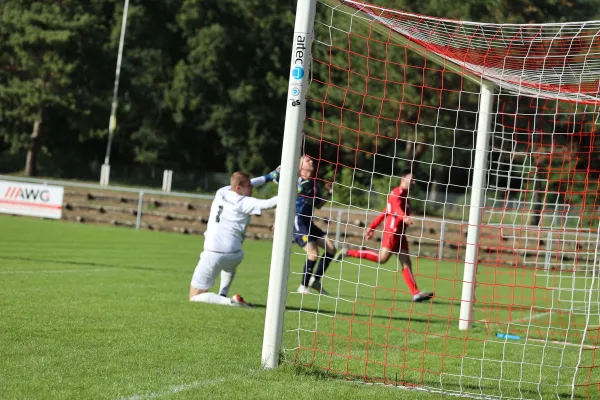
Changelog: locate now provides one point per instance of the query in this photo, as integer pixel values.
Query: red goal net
(392, 92)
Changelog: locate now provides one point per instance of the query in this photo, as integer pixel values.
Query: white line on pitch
(174, 389)
(50, 271)
(518, 321)
(586, 346)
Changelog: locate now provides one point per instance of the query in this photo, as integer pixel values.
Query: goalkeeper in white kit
(229, 216)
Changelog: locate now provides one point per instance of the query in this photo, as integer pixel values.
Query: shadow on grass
(311, 371)
(436, 300)
(478, 305)
(330, 313)
(87, 264)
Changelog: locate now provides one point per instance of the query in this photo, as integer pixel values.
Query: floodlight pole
(292, 135)
(112, 124)
(480, 167)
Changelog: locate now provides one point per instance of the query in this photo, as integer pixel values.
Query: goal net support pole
(294, 120)
(478, 184)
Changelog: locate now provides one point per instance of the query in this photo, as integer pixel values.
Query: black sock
(308, 270)
(323, 265)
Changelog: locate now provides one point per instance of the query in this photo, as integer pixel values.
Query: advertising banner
(30, 199)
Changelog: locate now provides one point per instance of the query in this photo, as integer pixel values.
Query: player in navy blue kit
(312, 194)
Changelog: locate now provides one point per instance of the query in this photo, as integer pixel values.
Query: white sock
(226, 279)
(212, 298)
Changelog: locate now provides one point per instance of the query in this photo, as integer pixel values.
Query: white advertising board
(30, 199)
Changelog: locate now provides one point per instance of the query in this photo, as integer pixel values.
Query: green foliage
(50, 68)
(203, 84)
(229, 84)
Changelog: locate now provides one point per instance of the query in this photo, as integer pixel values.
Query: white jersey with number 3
(229, 216)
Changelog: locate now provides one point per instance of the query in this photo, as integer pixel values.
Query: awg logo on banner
(31, 199)
(17, 192)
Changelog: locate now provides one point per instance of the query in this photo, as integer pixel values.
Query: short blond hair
(301, 161)
(238, 178)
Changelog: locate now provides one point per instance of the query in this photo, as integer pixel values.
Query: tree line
(202, 86)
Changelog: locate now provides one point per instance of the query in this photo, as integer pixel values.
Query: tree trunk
(541, 186)
(539, 194)
(33, 148)
(414, 151)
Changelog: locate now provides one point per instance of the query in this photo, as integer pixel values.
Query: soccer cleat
(303, 290)
(316, 285)
(339, 254)
(422, 296)
(239, 301)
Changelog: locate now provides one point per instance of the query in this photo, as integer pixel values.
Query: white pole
(294, 120)
(548, 256)
(592, 302)
(549, 243)
(112, 123)
(442, 237)
(338, 229)
(138, 220)
(104, 174)
(167, 180)
(480, 167)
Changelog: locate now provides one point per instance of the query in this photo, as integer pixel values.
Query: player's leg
(380, 256)
(407, 273)
(303, 238)
(312, 253)
(226, 279)
(315, 280)
(204, 278)
(204, 275)
(409, 278)
(228, 272)
(389, 244)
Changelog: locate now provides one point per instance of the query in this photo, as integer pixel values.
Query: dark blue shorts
(305, 231)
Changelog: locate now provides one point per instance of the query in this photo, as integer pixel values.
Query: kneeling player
(396, 218)
(229, 216)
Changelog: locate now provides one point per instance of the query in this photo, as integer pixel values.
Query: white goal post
(292, 135)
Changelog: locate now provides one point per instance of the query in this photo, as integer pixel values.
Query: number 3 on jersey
(218, 218)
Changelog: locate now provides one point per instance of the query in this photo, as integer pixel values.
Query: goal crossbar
(481, 65)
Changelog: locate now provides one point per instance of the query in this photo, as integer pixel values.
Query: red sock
(410, 281)
(366, 254)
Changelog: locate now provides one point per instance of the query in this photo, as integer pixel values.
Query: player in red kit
(395, 217)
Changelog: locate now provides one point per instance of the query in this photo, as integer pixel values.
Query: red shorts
(395, 242)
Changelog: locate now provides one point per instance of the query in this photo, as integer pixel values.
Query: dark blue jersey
(311, 194)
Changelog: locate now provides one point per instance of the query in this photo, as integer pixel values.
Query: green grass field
(369, 329)
(102, 312)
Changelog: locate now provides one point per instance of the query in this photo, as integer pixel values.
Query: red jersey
(397, 209)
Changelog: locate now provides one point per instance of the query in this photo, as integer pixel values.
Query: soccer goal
(498, 124)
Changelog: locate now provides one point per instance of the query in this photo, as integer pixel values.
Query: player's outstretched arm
(254, 206)
(374, 225)
(272, 176)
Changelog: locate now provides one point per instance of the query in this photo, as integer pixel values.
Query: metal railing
(336, 211)
(339, 212)
(140, 192)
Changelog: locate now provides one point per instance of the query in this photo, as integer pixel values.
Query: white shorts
(211, 264)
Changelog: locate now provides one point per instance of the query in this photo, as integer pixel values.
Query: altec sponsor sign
(29, 199)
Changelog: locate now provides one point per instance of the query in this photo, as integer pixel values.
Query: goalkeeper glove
(274, 176)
